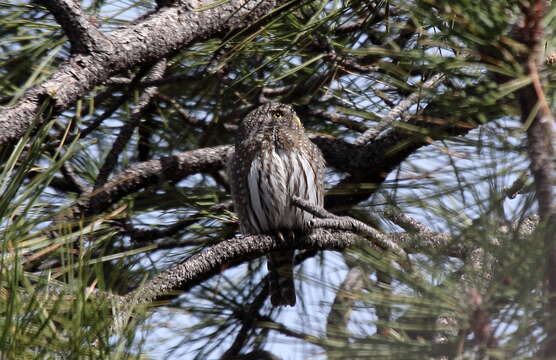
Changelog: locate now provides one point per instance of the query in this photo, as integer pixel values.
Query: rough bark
(210, 261)
(155, 37)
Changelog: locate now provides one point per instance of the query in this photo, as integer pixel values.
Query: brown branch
(155, 37)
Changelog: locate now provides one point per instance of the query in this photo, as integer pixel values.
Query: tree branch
(397, 111)
(210, 261)
(346, 223)
(153, 38)
(82, 34)
(126, 130)
(134, 178)
(538, 120)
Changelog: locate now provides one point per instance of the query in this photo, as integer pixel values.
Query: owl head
(270, 117)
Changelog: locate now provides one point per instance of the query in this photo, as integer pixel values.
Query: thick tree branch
(372, 162)
(157, 36)
(82, 34)
(210, 261)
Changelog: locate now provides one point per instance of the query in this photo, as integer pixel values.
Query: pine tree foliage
(117, 233)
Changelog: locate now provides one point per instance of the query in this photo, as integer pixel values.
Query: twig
(73, 179)
(330, 221)
(339, 119)
(397, 111)
(105, 115)
(405, 221)
(184, 114)
(340, 311)
(127, 130)
(517, 186)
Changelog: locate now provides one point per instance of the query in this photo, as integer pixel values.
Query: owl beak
(296, 118)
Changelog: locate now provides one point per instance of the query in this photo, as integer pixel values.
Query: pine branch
(82, 33)
(126, 131)
(210, 261)
(339, 315)
(137, 177)
(538, 120)
(330, 221)
(397, 111)
(155, 37)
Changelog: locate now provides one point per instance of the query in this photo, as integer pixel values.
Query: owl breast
(274, 177)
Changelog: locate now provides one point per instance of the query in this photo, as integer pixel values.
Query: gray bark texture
(101, 56)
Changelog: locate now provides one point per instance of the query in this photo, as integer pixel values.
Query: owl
(273, 161)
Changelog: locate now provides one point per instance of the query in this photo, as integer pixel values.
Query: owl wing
(237, 169)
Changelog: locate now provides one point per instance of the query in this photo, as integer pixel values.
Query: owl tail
(280, 267)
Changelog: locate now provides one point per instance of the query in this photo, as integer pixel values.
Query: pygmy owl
(273, 161)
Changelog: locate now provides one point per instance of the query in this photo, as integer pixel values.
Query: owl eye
(277, 114)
